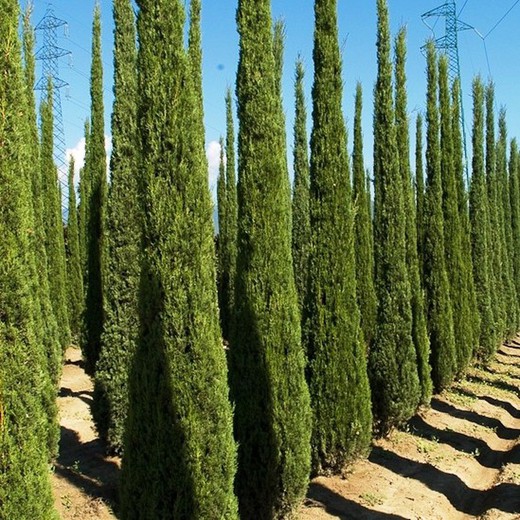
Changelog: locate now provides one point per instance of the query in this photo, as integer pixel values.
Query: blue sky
(357, 33)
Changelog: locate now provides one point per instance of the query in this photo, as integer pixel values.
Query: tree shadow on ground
(501, 430)
(500, 373)
(497, 383)
(514, 354)
(78, 363)
(504, 497)
(85, 395)
(507, 406)
(343, 508)
(86, 467)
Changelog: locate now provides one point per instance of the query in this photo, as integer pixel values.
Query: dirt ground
(460, 459)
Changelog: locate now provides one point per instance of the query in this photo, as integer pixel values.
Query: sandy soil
(460, 459)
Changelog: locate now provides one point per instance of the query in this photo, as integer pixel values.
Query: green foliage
(95, 202)
(479, 218)
(363, 237)
(437, 288)
(301, 224)
(54, 238)
(393, 369)
(25, 491)
(74, 272)
(337, 373)
(419, 329)
(456, 268)
(272, 412)
(123, 240)
(514, 208)
(222, 272)
(179, 453)
(419, 192)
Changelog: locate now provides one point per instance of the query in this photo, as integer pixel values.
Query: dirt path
(84, 480)
(458, 460)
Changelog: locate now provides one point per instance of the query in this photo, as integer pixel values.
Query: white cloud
(78, 152)
(213, 155)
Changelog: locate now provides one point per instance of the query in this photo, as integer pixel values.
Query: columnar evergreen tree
(123, 239)
(25, 491)
(514, 211)
(455, 266)
(419, 330)
(495, 248)
(393, 369)
(54, 237)
(363, 238)
(272, 413)
(438, 301)
(74, 271)
(96, 180)
(462, 198)
(301, 224)
(84, 190)
(506, 235)
(222, 272)
(479, 217)
(179, 453)
(419, 191)
(338, 380)
(46, 327)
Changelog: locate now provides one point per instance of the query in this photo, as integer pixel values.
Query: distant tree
(419, 191)
(363, 237)
(479, 216)
(419, 329)
(95, 209)
(222, 242)
(301, 224)
(272, 413)
(393, 370)
(179, 454)
(123, 230)
(456, 268)
(438, 300)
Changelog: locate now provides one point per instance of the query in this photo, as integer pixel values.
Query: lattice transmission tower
(449, 45)
(49, 54)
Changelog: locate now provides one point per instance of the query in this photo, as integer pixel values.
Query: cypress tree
(439, 308)
(419, 192)
(231, 213)
(272, 413)
(95, 208)
(54, 237)
(462, 198)
(419, 330)
(301, 224)
(222, 241)
(363, 238)
(84, 186)
(25, 491)
(74, 272)
(338, 380)
(479, 218)
(455, 266)
(46, 327)
(494, 237)
(123, 240)
(514, 211)
(509, 296)
(393, 369)
(179, 454)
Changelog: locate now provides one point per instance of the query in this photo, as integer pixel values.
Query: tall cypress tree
(54, 238)
(439, 308)
(179, 454)
(338, 381)
(272, 413)
(363, 238)
(84, 190)
(123, 239)
(74, 272)
(301, 224)
(393, 370)
(419, 330)
(495, 248)
(94, 314)
(222, 241)
(419, 191)
(25, 491)
(455, 266)
(479, 217)
(462, 198)
(514, 210)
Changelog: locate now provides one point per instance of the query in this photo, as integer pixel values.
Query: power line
(501, 19)
(462, 8)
